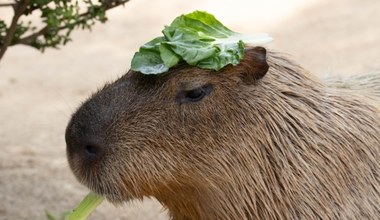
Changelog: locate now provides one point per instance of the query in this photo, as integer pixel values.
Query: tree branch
(28, 40)
(30, 9)
(7, 4)
(31, 38)
(19, 10)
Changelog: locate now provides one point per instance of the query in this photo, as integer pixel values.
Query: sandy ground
(38, 92)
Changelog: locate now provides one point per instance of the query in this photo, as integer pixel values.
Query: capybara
(260, 140)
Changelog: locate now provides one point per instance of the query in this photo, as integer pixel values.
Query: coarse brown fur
(280, 145)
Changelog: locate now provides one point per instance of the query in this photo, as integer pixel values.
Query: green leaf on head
(197, 38)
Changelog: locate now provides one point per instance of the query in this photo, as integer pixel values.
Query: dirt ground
(38, 92)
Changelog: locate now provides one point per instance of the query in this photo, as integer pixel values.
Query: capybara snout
(90, 134)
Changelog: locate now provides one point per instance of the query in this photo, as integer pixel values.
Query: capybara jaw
(114, 192)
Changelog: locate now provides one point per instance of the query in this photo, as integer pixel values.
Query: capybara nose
(82, 145)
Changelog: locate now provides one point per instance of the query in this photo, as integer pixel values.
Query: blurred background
(39, 91)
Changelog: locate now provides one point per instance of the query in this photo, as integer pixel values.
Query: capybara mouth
(113, 193)
(114, 197)
(101, 181)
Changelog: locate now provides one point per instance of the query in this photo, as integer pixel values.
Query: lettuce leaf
(85, 207)
(198, 39)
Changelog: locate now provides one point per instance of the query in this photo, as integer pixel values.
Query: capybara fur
(260, 140)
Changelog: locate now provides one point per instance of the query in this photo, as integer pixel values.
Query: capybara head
(261, 140)
(144, 133)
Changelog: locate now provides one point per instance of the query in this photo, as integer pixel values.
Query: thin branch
(32, 8)
(31, 38)
(7, 4)
(19, 10)
(28, 40)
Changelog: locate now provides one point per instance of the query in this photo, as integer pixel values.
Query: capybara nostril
(83, 144)
(86, 148)
(92, 150)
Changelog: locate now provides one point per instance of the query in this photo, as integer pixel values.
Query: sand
(38, 92)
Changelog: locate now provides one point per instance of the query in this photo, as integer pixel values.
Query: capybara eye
(193, 95)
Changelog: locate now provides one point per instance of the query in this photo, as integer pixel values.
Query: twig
(31, 38)
(32, 8)
(28, 40)
(7, 4)
(19, 10)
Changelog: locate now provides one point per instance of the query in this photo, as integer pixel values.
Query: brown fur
(285, 146)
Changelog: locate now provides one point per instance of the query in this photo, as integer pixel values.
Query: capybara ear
(255, 64)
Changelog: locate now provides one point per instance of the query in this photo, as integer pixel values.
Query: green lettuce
(85, 207)
(198, 39)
